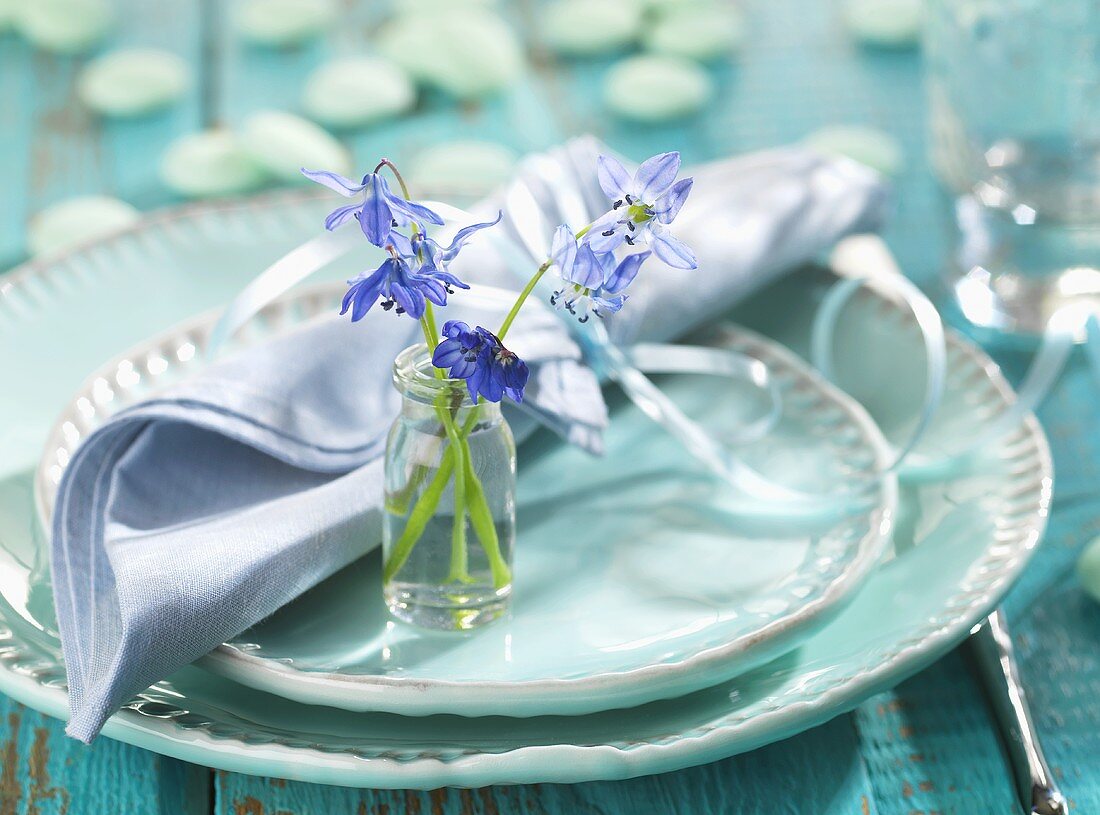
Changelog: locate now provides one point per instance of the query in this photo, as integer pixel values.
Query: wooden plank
(930, 746)
(16, 93)
(819, 772)
(51, 147)
(130, 149)
(1059, 649)
(44, 772)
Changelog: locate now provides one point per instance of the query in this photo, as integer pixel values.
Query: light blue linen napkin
(194, 515)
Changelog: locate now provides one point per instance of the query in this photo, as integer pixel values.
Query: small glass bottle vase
(450, 519)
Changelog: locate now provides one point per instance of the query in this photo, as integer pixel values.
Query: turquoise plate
(961, 540)
(655, 582)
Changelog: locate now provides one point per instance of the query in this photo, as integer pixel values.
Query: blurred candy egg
(133, 82)
(210, 163)
(283, 22)
(355, 91)
(702, 30)
(77, 220)
(583, 27)
(471, 168)
(64, 26)
(656, 88)
(884, 23)
(866, 145)
(284, 143)
(466, 52)
(1088, 569)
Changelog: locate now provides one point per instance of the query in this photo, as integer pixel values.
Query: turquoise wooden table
(927, 746)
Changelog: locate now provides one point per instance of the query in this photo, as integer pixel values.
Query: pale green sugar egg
(77, 220)
(866, 145)
(283, 22)
(471, 168)
(884, 23)
(284, 143)
(64, 26)
(355, 91)
(701, 30)
(210, 163)
(653, 88)
(8, 11)
(432, 6)
(133, 82)
(587, 27)
(466, 52)
(1088, 569)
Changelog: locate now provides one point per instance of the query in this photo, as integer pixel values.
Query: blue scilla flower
(642, 208)
(593, 282)
(478, 356)
(379, 212)
(398, 284)
(432, 255)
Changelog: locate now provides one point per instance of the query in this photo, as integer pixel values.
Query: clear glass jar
(450, 517)
(1014, 96)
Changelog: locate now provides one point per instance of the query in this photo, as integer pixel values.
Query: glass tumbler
(1014, 95)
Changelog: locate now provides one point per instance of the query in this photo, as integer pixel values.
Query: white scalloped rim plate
(964, 540)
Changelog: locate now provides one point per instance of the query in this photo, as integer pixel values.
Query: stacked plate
(660, 623)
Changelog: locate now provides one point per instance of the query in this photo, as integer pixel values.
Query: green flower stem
(429, 322)
(421, 513)
(460, 567)
(398, 503)
(396, 174)
(523, 295)
(459, 557)
(429, 339)
(482, 520)
(530, 287)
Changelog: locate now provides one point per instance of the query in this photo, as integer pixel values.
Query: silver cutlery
(992, 649)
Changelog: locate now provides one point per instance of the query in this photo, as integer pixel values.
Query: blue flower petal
(464, 235)
(609, 305)
(476, 379)
(625, 272)
(401, 244)
(655, 176)
(515, 374)
(409, 298)
(406, 211)
(335, 182)
(491, 387)
(448, 278)
(668, 205)
(614, 180)
(376, 218)
(365, 291)
(601, 243)
(340, 216)
(455, 329)
(448, 353)
(432, 289)
(672, 251)
(563, 248)
(588, 270)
